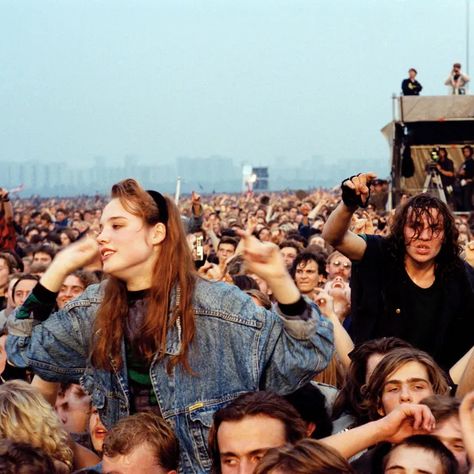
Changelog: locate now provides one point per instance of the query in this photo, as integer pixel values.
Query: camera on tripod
(434, 155)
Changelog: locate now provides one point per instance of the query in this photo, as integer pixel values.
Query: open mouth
(106, 253)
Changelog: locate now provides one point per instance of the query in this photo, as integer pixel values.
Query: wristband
(349, 196)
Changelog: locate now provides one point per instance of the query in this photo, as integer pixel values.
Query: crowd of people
(292, 332)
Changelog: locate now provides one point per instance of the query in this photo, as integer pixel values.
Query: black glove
(349, 196)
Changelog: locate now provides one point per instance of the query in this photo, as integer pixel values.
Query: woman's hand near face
(73, 257)
(265, 260)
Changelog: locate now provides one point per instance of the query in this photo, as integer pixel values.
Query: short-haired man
(225, 249)
(445, 410)
(411, 86)
(248, 427)
(141, 443)
(289, 250)
(43, 254)
(411, 284)
(338, 265)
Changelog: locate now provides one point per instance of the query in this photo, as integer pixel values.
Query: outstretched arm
(404, 421)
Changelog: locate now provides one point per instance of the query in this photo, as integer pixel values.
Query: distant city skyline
(201, 174)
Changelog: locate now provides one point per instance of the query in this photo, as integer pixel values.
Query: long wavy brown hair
(174, 268)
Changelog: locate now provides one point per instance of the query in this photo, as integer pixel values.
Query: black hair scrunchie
(349, 196)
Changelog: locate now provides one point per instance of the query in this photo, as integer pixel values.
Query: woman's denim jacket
(238, 347)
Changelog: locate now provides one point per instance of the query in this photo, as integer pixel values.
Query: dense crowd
(292, 332)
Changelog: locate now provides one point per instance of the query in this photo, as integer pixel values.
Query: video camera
(434, 154)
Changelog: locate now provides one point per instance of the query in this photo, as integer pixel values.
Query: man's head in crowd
(28, 418)
(338, 265)
(245, 429)
(304, 457)
(67, 236)
(43, 254)
(467, 151)
(22, 288)
(8, 265)
(421, 454)
(310, 403)
(423, 231)
(405, 375)
(141, 443)
(364, 359)
(289, 250)
(307, 271)
(22, 458)
(226, 248)
(73, 286)
(445, 410)
(73, 407)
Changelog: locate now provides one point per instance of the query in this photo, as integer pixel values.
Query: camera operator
(457, 80)
(445, 167)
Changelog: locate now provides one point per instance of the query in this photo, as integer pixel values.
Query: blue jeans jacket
(238, 347)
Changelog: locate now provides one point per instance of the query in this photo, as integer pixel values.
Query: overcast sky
(255, 80)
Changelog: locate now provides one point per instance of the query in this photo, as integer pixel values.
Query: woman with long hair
(155, 336)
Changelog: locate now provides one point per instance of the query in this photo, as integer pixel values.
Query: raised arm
(336, 230)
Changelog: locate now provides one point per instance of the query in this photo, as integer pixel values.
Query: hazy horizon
(256, 81)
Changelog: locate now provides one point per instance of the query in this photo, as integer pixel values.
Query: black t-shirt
(422, 304)
(468, 167)
(385, 302)
(447, 165)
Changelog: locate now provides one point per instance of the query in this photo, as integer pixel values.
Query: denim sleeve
(55, 349)
(295, 349)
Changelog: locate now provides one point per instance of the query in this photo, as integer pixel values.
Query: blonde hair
(26, 417)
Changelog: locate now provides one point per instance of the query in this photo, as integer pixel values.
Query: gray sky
(250, 79)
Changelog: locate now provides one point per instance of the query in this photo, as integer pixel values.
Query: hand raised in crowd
(195, 199)
(251, 224)
(265, 260)
(466, 419)
(325, 302)
(360, 184)
(3, 194)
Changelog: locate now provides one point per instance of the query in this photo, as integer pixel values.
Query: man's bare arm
(336, 233)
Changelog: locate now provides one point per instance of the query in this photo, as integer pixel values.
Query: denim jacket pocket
(199, 422)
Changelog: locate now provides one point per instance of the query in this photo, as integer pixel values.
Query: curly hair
(417, 208)
(26, 417)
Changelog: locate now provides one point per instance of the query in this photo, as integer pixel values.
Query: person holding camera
(457, 80)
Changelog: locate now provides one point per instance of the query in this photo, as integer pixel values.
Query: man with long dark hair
(411, 284)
